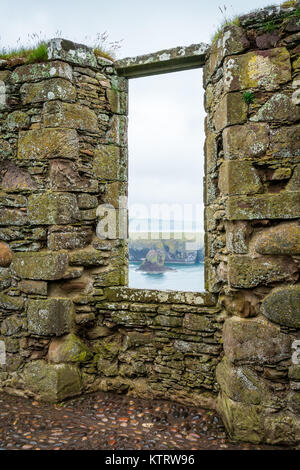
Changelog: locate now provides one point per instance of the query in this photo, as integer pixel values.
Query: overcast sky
(166, 112)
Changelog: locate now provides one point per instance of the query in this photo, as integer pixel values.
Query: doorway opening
(166, 169)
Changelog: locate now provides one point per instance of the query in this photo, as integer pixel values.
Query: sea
(183, 277)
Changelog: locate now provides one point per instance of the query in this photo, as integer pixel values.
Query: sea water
(183, 277)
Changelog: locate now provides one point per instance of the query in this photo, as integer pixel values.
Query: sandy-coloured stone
(232, 40)
(260, 69)
(68, 348)
(52, 382)
(53, 316)
(70, 115)
(106, 162)
(294, 183)
(15, 177)
(37, 72)
(68, 51)
(230, 111)
(282, 306)
(285, 141)
(242, 384)
(47, 90)
(48, 143)
(33, 287)
(6, 255)
(8, 302)
(64, 176)
(44, 266)
(247, 272)
(237, 237)
(88, 257)
(244, 142)
(284, 205)
(239, 177)
(18, 120)
(283, 239)
(69, 240)
(279, 108)
(53, 208)
(255, 341)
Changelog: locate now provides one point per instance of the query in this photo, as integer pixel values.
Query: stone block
(12, 325)
(18, 120)
(247, 272)
(69, 51)
(106, 162)
(168, 321)
(239, 177)
(86, 201)
(258, 69)
(211, 152)
(237, 237)
(15, 177)
(70, 115)
(37, 72)
(285, 141)
(8, 302)
(47, 90)
(284, 205)
(279, 108)
(282, 306)
(44, 266)
(53, 316)
(294, 183)
(194, 322)
(88, 257)
(255, 341)
(113, 97)
(48, 143)
(246, 142)
(52, 382)
(243, 384)
(12, 217)
(230, 111)
(69, 240)
(53, 208)
(33, 287)
(64, 176)
(232, 40)
(283, 239)
(6, 255)
(68, 348)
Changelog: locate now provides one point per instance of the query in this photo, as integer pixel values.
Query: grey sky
(166, 112)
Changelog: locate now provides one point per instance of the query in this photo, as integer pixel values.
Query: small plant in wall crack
(248, 97)
(227, 21)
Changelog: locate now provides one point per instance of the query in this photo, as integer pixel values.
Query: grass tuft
(289, 4)
(248, 97)
(226, 22)
(234, 21)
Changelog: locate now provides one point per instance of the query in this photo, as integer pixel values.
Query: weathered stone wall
(66, 326)
(69, 323)
(252, 82)
(63, 152)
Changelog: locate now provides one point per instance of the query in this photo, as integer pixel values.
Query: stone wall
(68, 322)
(66, 325)
(252, 82)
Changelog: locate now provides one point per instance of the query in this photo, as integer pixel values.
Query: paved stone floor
(111, 422)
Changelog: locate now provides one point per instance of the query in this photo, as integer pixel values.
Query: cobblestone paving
(105, 421)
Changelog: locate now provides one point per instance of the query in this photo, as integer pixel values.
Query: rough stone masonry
(68, 321)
